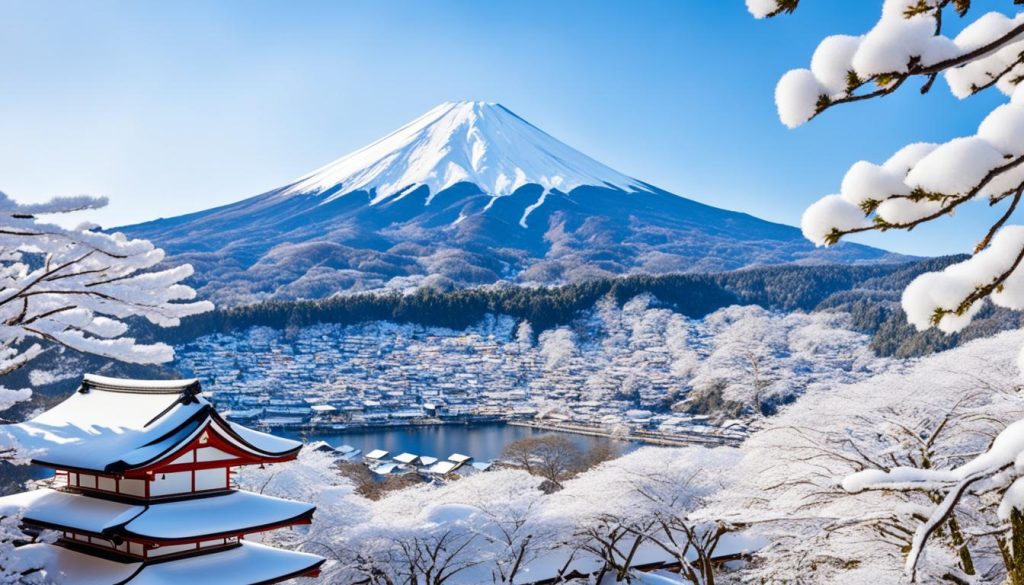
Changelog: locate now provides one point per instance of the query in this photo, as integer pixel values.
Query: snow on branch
(990, 471)
(75, 288)
(53, 206)
(922, 182)
(907, 41)
(767, 8)
(918, 184)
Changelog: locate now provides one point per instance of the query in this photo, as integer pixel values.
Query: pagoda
(144, 490)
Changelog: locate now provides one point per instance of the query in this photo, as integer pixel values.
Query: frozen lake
(484, 442)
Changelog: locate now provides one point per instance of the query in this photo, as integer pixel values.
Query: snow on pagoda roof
(231, 513)
(459, 458)
(53, 508)
(377, 454)
(247, 563)
(265, 441)
(111, 425)
(67, 566)
(140, 386)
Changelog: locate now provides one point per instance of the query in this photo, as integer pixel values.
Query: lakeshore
(467, 432)
(482, 441)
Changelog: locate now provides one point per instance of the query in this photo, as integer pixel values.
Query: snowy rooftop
(377, 454)
(232, 513)
(52, 508)
(247, 563)
(385, 469)
(112, 425)
(443, 467)
(406, 458)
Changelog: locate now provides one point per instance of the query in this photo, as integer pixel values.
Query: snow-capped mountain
(461, 142)
(468, 193)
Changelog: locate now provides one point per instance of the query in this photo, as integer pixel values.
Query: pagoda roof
(248, 563)
(230, 514)
(112, 425)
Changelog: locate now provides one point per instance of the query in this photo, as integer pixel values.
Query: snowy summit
(482, 143)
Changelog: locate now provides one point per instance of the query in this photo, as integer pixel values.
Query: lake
(483, 442)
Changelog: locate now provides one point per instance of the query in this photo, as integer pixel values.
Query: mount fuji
(467, 194)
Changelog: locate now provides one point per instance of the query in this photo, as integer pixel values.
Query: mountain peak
(483, 143)
(446, 209)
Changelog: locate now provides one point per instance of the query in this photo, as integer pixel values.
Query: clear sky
(173, 107)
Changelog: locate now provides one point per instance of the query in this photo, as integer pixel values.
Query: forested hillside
(870, 293)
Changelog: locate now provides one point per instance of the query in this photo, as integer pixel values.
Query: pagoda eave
(246, 562)
(118, 534)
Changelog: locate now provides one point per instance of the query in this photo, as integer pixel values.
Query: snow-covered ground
(779, 495)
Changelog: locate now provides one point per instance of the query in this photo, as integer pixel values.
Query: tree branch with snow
(76, 288)
(924, 182)
(919, 184)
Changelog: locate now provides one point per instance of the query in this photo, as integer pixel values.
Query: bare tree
(420, 556)
(671, 501)
(554, 457)
(615, 539)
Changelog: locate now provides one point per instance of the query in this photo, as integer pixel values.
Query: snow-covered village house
(143, 491)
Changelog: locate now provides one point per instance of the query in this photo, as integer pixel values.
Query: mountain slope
(469, 193)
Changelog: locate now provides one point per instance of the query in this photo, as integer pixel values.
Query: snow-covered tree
(558, 346)
(753, 358)
(670, 491)
(921, 183)
(524, 335)
(936, 413)
(507, 521)
(748, 355)
(643, 504)
(75, 289)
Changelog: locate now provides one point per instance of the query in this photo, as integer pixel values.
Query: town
(333, 378)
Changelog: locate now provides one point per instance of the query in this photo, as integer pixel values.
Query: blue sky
(174, 107)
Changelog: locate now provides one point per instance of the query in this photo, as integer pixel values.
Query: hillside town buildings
(333, 377)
